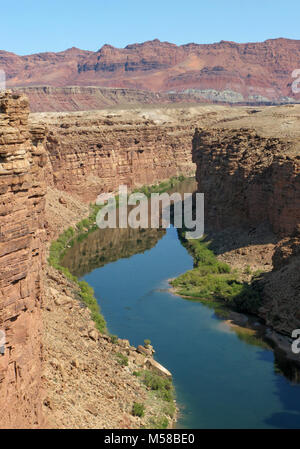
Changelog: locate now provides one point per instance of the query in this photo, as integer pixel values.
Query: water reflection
(96, 249)
(108, 245)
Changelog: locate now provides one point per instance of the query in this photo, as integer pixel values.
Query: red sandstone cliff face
(82, 98)
(248, 179)
(89, 154)
(224, 71)
(21, 257)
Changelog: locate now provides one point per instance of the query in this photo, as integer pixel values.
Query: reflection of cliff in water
(108, 245)
(96, 249)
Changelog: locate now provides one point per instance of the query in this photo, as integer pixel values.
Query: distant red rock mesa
(156, 72)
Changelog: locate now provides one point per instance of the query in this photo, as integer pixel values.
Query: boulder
(142, 350)
(153, 365)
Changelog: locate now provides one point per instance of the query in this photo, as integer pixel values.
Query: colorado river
(221, 380)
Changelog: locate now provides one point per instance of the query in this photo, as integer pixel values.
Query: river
(221, 380)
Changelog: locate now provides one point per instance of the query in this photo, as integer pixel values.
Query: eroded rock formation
(224, 71)
(93, 153)
(249, 179)
(281, 294)
(22, 252)
(83, 98)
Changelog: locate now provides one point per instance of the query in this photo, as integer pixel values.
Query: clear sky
(31, 26)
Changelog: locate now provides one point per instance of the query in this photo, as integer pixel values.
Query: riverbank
(212, 279)
(227, 282)
(90, 377)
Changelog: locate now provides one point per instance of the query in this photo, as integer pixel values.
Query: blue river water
(221, 381)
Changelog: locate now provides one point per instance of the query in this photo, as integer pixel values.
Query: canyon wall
(83, 98)
(22, 251)
(248, 180)
(281, 292)
(93, 153)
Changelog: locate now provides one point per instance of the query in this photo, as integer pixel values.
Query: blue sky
(31, 26)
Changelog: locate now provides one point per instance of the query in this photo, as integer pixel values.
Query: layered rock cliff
(22, 250)
(281, 293)
(250, 179)
(83, 98)
(96, 152)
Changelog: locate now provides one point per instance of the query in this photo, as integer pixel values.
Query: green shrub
(212, 279)
(162, 187)
(88, 298)
(99, 320)
(86, 293)
(170, 410)
(159, 423)
(79, 226)
(248, 300)
(147, 343)
(122, 359)
(257, 273)
(247, 270)
(161, 385)
(114, 339)
(138, 409)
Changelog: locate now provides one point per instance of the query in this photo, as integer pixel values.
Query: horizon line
(146, 42)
